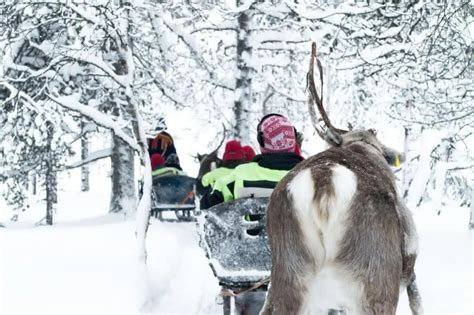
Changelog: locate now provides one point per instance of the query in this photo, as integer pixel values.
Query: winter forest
(83, 83)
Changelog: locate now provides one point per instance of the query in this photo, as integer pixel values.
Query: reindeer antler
(224, 132)
(315, 99)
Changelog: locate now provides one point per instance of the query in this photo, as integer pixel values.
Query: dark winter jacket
(163, 144)
(264, 171)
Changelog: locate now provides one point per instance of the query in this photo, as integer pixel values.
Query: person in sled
(161, 142)
(249, 153)
(233, 156)
(279, 154)
(159, 168)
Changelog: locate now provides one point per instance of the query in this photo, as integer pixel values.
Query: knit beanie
(157, 160)
(249, 153)
(278, 135)
(233, 151)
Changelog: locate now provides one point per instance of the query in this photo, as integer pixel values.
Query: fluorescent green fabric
(246, 172)
(210, 178)
(167, 171)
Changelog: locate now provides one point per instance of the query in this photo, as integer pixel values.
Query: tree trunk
(84, 155)
(123, 198)
(411, 135)
(471, 219)
(243, 87)
(32, 181)
(50, 177)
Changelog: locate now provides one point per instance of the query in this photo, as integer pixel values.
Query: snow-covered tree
(32, 135)
(416, 53)
(86, 61)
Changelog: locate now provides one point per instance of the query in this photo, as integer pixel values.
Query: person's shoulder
(217, 172)
(174, 170)
(246, 166)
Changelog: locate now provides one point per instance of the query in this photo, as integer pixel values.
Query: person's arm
(201, 188)
(211, 199)
(219, 194)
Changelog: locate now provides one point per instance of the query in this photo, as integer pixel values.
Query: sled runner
(173, 193)
(234, 238)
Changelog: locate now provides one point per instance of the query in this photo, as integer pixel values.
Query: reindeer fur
(340, 236)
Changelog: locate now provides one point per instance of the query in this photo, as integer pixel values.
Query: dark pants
(250, 303)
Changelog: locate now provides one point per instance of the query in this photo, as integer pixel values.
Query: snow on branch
(101, 119)
(64, 54)
(94, 156)
(280, 92)
(226, 25)
(341, 10)
(15, 93)
(161, 20)
(90, 18)
(391, 32)
(92, 59)
(283, 37)
(242, 8)
(373, 56)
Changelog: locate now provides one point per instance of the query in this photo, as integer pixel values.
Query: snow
(391, 32)
(87, 263)
(429, 140)
(90, 261)
(72, 102)
(340, 10)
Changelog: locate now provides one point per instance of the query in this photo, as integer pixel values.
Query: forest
(83, 82)
(75, 71)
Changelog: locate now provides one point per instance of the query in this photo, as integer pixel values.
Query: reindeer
(209, 161)
(342, 240)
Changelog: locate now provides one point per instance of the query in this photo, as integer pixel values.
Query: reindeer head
(210, 161)
(340, 137)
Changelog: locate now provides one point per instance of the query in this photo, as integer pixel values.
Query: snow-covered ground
(86, 263)
(89, 265)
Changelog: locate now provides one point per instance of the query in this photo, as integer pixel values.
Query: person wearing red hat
(162, 143)
(249, 153)
(280, 153)
(157, 161)
(232, 157)
(159, 168)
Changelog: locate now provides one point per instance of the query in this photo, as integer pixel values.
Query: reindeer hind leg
(414, 297)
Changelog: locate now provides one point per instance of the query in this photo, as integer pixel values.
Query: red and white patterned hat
(278, 135)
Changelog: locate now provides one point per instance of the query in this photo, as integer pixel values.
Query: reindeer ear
(373, 132)
(333, 138)
(393, 157)
(199, 157)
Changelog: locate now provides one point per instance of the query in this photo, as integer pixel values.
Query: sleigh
(173, 193)
(234, 238)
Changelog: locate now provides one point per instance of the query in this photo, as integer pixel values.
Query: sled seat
(234, 238)
(173, 193)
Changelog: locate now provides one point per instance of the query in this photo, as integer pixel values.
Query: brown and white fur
(341, 238)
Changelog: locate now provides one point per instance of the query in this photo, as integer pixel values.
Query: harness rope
(229, 292)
